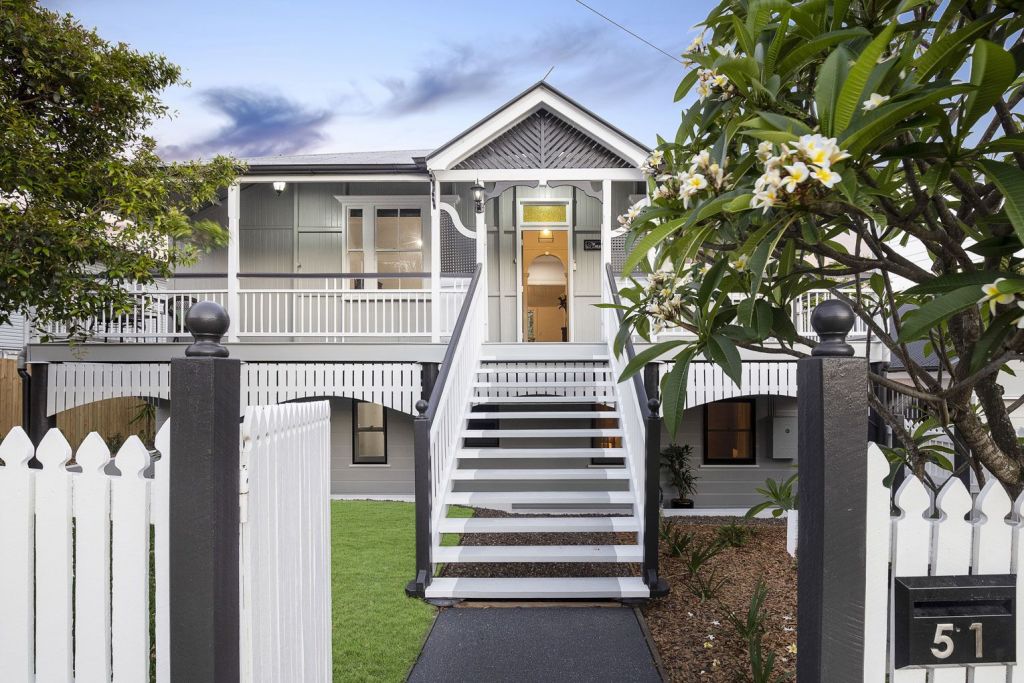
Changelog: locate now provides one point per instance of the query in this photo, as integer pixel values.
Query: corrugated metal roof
(406, 157)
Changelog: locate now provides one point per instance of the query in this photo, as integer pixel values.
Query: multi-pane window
(369, 434)
(356, 253)
(729, 433)
(398, 243)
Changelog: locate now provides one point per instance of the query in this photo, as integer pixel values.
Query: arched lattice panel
(707, 383)
(543, 140)
(395, 385)
(458, 252)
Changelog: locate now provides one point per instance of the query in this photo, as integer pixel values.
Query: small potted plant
(676, 459)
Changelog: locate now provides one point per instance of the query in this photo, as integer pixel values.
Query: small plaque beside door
(591, 245)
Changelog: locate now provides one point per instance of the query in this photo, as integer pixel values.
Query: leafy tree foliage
(86, 205)
(870, 147)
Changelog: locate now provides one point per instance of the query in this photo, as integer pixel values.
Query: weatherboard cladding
(543, 140)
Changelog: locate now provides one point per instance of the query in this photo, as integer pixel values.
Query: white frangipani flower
(874, 101)
(798, 173)
(826, 176)
(994, 296)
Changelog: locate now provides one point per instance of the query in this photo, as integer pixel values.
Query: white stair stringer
(542, 452)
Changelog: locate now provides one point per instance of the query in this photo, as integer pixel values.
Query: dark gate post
(39, 422)
(204, 514)
(833, 417)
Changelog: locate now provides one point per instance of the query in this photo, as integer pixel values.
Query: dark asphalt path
(536, 644)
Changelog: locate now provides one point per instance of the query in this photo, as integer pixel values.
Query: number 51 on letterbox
(954, 620)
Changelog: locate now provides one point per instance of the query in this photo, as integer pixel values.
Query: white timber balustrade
(440, 423)
(293, 307)
(632, 416)
(448, 413)
(640, 419)
(286, 560)
(115, 508)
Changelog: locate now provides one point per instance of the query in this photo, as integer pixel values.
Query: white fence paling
(110, 562)
(966, 537)
(286, 571)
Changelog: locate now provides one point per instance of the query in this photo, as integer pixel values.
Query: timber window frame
(358, 429)
(749, 429)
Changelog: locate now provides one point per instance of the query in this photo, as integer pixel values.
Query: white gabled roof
(540, 95)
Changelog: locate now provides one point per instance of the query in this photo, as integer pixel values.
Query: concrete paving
(536, 644)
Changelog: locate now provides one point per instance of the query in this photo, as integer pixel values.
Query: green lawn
(378, 631)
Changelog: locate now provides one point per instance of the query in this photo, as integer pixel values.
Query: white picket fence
(79, 542)
(83, 542)
(969, 536)
(286, 543)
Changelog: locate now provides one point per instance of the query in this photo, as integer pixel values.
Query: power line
(638, 37)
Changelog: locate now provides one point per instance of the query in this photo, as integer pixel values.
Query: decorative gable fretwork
(543, 140)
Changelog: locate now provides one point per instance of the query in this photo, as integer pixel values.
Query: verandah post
(203, 481)
(833, 419)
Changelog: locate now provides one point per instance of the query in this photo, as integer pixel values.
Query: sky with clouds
(275, 77)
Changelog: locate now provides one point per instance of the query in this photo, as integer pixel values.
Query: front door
(545, 276)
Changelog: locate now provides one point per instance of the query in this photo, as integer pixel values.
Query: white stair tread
(543, 399)
(543, 383)
(546, 415)
(579, 358)
(538, 588)
(485, 498)
(543, 474)
(540, 453)
(538, 553)
(538, 433)
(497, 368)
(526, 525)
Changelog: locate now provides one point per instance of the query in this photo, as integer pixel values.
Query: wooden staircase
(541, 457)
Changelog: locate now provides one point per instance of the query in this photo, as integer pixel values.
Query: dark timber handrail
(650, 410)
(427, 409)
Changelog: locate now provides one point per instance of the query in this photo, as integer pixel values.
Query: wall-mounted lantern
(279, 186)
(479, 196)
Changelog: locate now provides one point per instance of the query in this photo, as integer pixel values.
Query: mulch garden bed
(696, 640)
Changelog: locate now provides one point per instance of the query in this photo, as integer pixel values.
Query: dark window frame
(356, 431)
(752, 460)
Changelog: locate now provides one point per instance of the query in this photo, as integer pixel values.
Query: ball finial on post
(208, 322)
(832, 320)
(421, 407)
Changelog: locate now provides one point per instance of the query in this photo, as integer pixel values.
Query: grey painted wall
(396, 477)
(732, 486)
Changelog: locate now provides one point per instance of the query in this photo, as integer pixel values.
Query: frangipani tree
(829, 142)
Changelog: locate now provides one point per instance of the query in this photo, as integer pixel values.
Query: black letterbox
(954, 620)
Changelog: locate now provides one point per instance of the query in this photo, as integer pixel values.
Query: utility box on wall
(784, 437)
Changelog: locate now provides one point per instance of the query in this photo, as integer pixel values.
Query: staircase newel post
(652, 486)
(421, 454)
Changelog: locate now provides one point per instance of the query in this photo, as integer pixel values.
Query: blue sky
(275, 77)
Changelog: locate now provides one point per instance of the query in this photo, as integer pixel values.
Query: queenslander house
(443, 300)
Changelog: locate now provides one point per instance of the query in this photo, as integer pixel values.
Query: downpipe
(26, 389)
